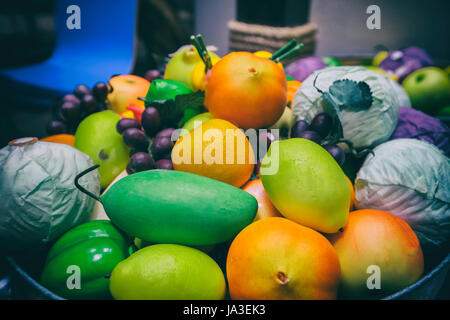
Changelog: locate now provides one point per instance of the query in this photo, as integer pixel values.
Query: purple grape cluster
(316, 131)
(138, 137)
(74, 107)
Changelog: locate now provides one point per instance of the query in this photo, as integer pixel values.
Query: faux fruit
(165, 89)
(182, 64)
(428, 89)
(275, 258)
(97, 137)
(216, 149)
(284, 123)
(309, 187)
(61, 138)
(292, 87)
(265, 207)
(198, 75)
(302, 68)
(267, 55)
(41, 202)
(127, 89)
(197, 120)
(246, 90)
(168, 272)
(167, 206)
(95, 247)
(377, 240)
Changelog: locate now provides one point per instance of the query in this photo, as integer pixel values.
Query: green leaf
(172, 111)
(349, 94)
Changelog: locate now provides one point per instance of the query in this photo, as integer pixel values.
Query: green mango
(306, 184)
(166, 206)
(168, 272)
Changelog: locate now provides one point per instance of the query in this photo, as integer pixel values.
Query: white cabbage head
(411, 179)
(39, 200)
(365, 128)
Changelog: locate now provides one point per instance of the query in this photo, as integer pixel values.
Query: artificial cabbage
(411, 179)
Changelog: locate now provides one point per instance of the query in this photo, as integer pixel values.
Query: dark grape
(90, 105)
(140, 161)
(322, 123)
(299, 127)
(136, 139)
(166, 133)
(337, 153)
(161, 148)
(165, 164)
(264, 141)
(100, 91)
(56, 127)
(71, 111)
(310, 135)
(150, 121)
(127, 123)
(257, 167)
(153, 74)
(81, 90)
(72, 98)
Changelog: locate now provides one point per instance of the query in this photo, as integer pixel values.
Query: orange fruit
(246, 90)
(275, 258)
(265, 207)
(215, 149)
(292, 87)
(61, 138)
(352, 193)
(374, 239)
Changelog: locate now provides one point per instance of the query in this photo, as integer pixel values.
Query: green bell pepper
(79, 263)
(165, 89)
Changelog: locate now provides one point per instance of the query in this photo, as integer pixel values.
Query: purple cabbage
(302, 68)
(405, 62)
(418, 125)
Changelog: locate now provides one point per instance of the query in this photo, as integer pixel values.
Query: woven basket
(254, 37)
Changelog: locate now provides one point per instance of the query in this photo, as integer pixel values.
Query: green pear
(98, 138)
(306, 184)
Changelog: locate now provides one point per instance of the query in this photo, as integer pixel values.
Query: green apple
(309, 187)
(98, 138)
(197, 120)
(428, 88)
(284, 123)
(182, 63)
(444, 112)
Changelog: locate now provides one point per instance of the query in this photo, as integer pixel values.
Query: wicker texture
(254, 37)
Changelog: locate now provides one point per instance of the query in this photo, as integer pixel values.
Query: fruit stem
(199, 44)
(290, 53)
(284, 49)
(81, 188)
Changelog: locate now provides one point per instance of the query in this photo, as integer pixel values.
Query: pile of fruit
(229, 178)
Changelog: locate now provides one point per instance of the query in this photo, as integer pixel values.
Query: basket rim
(445, 263)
